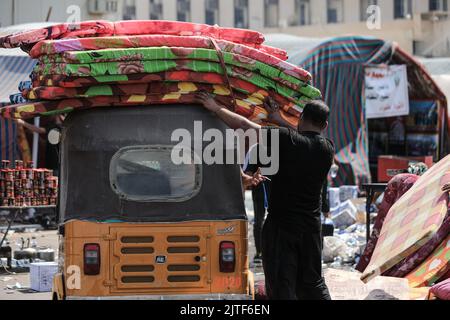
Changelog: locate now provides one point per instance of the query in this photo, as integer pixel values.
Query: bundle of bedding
(103, 64)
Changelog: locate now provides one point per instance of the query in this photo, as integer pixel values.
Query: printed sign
(386, 91)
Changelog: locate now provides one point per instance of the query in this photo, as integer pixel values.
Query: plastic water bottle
(33, 242)
(334, 170)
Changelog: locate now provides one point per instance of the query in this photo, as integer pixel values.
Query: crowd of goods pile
(104, 64)
(343, 248)
(24, 186)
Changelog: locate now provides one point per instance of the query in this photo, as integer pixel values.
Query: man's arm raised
(233, 120)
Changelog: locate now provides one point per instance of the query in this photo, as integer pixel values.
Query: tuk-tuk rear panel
(109, 281)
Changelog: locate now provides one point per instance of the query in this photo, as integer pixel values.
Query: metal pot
(25, 253)
(28, 253)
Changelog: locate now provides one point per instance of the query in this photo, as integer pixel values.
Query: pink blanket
(136, 27)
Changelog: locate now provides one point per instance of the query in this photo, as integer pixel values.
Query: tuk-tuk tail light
(91, 259)
(227, 257)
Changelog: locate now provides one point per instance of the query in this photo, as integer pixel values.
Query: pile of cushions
(101, 64)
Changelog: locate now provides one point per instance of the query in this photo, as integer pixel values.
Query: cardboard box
(334, 198)
(360, 205)
(345, 216)
(344, 219)
(348, 192)
(41, 275)
(346, 285)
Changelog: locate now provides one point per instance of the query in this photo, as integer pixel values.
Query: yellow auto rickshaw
(135, 225)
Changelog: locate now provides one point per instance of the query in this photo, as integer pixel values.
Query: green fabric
(99, 91)
(166, 53)
(121, 68)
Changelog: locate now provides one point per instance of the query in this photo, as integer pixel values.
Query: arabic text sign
(386, 91)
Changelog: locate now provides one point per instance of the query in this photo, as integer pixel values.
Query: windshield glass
(147, 173)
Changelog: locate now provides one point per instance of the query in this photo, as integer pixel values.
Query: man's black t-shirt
(304, 162)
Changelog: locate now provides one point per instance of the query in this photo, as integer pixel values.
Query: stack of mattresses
(414, 241)
(96, 64)
(434, 269)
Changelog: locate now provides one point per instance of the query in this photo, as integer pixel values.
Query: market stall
(23, 196)
(339, 68)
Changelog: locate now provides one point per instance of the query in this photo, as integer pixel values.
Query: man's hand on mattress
(207, 100)
(271, 106)
(274, 114)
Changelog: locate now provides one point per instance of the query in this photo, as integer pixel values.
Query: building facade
(421, 27)
(13, 12)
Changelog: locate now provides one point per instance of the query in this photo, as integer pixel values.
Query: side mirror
(54, 136)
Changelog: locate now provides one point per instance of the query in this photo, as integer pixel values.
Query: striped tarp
(15, 66)
(337, 68)
(8, 140)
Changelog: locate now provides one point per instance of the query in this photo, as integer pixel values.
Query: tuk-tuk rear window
(147, 173)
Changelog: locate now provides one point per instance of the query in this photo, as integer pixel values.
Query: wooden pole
(49, 14)
(13, 13)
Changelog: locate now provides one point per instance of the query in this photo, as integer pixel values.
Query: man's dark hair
(316, 112)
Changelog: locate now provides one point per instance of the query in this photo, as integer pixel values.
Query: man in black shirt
(292, 245)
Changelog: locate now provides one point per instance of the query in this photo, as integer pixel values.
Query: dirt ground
(44, 239)
(50, 239)
(343, 285)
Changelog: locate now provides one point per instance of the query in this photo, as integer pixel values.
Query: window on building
(241, 15)
(129, 10)
(111, 6)
(335, 11)
(156, 9)
(302, 13)
(184, 10)
(271, 13)
(212, 12)
(402, 9)
(438, 5)
(365, 4)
